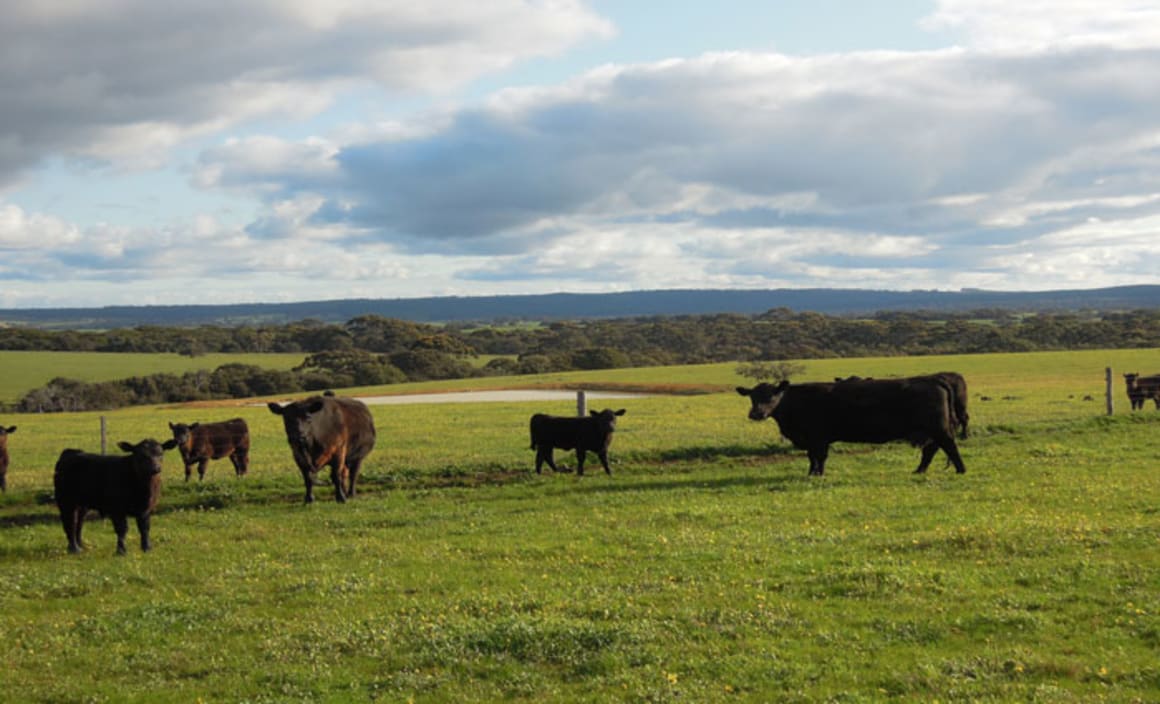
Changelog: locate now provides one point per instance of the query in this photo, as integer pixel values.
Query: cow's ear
(194, 426)
(783, 386)
(172, 426)
(274, 408)
(620, 412)
(744, 391)
(314, 407)
(126, 446)
(10, 430)
(169, 444)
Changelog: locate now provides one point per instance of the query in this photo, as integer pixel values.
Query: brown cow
(1142, 388)
(4, 433)
(328, 430)
(201, 442)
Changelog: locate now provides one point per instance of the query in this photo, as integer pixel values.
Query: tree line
(373, 350)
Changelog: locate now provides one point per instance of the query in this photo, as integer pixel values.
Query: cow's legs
(121, 526)
(581, 455)
(79, 526)
(603, 455)
(948, 446)
(188, 470)
(72, 530)
(928, 451)
(338, 474)
(241, 460)
(352, 471)
(308, 480)
(201, 465)
(544, 454)
(143, 531)
(818, 457)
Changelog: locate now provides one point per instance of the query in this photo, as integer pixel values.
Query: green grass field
(708, 568)
(24, 371)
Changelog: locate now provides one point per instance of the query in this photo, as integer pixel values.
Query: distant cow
(328, 430)
(1142, 388)
(812, 416)
(201, 442)
(4, 433)
(117, 486)
(584, 434)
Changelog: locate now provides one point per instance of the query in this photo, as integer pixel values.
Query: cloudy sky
(276, 150)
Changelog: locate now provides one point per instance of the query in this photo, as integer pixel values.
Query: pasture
(708, 568)
(24, 371)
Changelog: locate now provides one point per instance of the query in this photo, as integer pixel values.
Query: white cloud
(1044, 24)
(24, 231)
(127, 79)
(1028, 155)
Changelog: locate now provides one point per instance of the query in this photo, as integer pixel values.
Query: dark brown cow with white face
(1142, 388)
(328, 430)
(201, 442)
(4, 433)
(116, 486)
(918, 410)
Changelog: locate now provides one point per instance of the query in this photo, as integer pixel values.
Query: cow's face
(296, 421)
(4, 432)
(606, 418)
(147, 455)
(763, 398)
(1130, 379)
(183, 435)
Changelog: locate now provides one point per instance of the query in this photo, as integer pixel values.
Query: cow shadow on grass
(773, 483)
(717, 452)
(737, 455)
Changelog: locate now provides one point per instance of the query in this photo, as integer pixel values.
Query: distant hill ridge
(571, 306)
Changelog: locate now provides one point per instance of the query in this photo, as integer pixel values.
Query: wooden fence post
(581, 404)
(1108, 391)
(104, 436)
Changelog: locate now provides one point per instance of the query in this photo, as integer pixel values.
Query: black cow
(201, 442)
(4, 433)
(812, 416)
(328, 430)
(1142, 388)
(117, 486)
(584, 434)
(958, 387)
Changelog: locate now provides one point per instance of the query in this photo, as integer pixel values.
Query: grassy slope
(708, 568)
(24, 371)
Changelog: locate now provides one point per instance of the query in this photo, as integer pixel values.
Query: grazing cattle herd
(338, 432)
